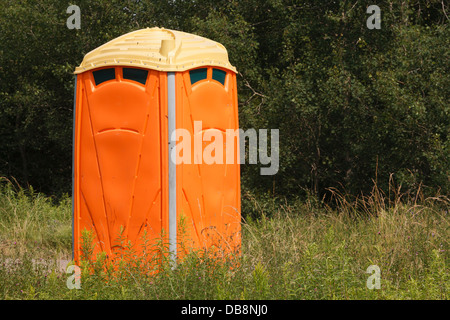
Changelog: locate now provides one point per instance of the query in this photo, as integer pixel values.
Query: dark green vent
(138, 75)
(103, 75)
(198, 74)
(219, 75)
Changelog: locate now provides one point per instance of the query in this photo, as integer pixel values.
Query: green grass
(296, 251)
(31, 221)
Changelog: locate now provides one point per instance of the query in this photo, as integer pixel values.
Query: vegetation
(359, 111)
(296, 251)
(350, 102)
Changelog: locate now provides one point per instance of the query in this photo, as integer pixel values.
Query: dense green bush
(352, 104)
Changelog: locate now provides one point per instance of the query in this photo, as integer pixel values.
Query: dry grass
(303, 250)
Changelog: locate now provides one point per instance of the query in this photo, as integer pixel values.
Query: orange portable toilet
(140, 99)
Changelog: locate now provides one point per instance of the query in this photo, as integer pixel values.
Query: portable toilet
(135, 97)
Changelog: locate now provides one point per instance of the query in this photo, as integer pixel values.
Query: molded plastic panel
(208, 195)
(158, 49)
(121, 162)
(118, 161)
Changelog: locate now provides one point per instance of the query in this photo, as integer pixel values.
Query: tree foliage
(352, 104)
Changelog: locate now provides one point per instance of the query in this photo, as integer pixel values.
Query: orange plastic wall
(121, 163)
(208, 195)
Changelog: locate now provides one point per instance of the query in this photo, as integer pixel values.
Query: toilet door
(208, 190)
(117, 159)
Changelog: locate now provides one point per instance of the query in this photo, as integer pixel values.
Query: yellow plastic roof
(157, 49)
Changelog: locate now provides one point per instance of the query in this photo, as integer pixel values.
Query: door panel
(118, 159)
(208, 195)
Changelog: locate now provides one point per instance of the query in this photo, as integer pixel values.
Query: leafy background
(353, 105)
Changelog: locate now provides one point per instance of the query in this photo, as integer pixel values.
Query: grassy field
(297, 251)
